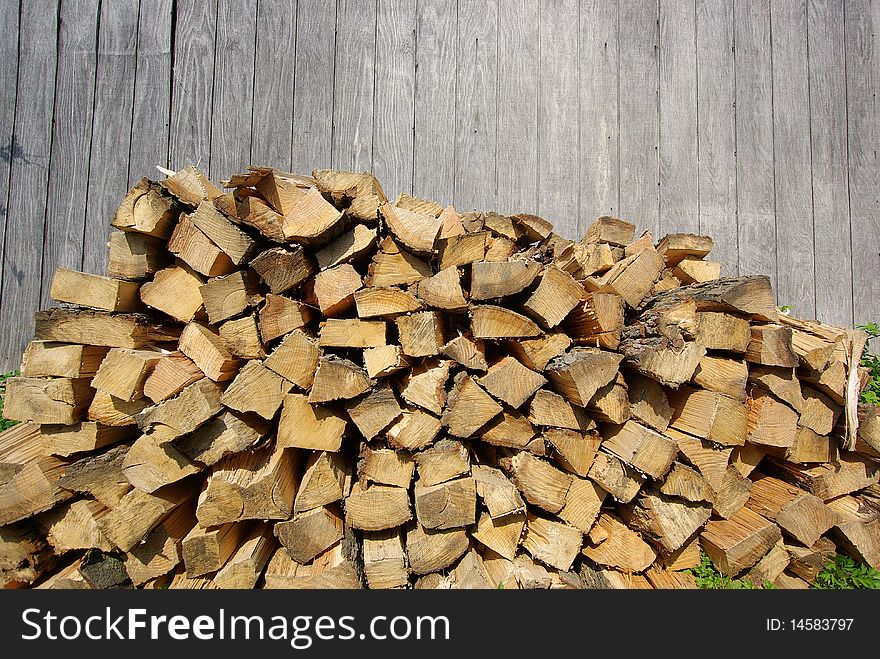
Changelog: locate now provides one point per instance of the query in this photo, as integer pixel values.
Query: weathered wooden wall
(755, 121)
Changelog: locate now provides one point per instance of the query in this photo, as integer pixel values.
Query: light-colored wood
(649, 403)
(541, 484)
(550, 409)
(116, 412)
(421, 334)
(552, 543)
(640, 447)
(857, 530)
(323, 481)
(710, 415)
(733, 492)
(295, 359)
(374, 412)
(385, 559)
(612, 544)
(632, 278)
(430, 551)
(392, 266)
(425, 386)
(135, 256)
(615, 477)
(582, 504)
(245, 566)
(801, 515)
(579, 373)
(99, 475)
(174, 291)
(596, 320)
(207, 550)
(280, 315)
(352, 333)
(574, 451)
(819, 413)
(829, 481)
(611, 230)
(462, 249)
(415, 230)
(307, 426)
(145, 209)
(384, 360)
(737, 544)
(329, 570)
(537, 352)
(94, 291)
(556, 295)
(123, 372)
(415, 430)
(511, 429)
(677, 246)
(385, 466)
(62, 360)
(386, 301)
(771, 346)
(350, 246)
(501, 535)
(82, 437)
(310, 533)
(451, 504)
(334, 289)
(159, 553)
(508, 380)
(150, 465)
(709, 459)
(223, 435)
(225, 297)
(190, 244)
(781, 382)
(338, 379)
(687, 483)
(236, 244)
(696, 271)
(491, 322)
(170, 375)
(377, 507)
(181, 415)
(138, 512)
(242, 337)
(723, 375)
(53, 400)
(611, 402)
(496, 279)
(209, 351)
(282, 269)
(666, 521)
(498, 494)
(770, 422)
(98, 328)
(443, 290)
(74, 526)
(469, 407)
(444, 461)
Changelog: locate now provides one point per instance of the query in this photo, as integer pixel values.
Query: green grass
(870, 361)
(4, 422)
(708, 578)
(843, 573)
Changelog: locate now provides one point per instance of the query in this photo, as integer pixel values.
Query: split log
(94, 291)
(737, 544)
(102, 329)
(124, 371)
(612, 544)
(44, 359)
(55, 400)
(801, 515)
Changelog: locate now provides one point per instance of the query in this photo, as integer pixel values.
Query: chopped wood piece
(582, 504)
(510, 429)
(418, 205)
(281, 191)
(385, 301)
(444, 461)
(150, 465)
(648, 402)
(392, 266)
(687, 483)
(737, 544)
(385, 467)
(225, 434)
(535, 228)
(658, 360)
(421, 334)
(745, 458)
(209, 351)
(770, 423)
(181, 415)
(723, 331)
(709, 415)
(552, 543)
(138, 513)
(295, 359)
(499, 495)
(174, 291)
(330, 569)
(771, 346)
(352, 333)
(84, 436)
(145, 209)
(610, 230)
(732, 494)
(312, 220)
(574, 451)
(819, 413)
(193, 247)
(334, 289)
(252, 211)
(710, 460)
(451, 504)
(686, 557)
(385, 559)
(501, 535)
(63, 360)
(191, 186)
(124, 371)
(462, 249)
(307, 426)
(282, 269)
(510, 381)
(159, 553)
(541, 484)
(338, 379)
(323, 481)
(666, 521)
(816, 344)
(426, 386)
(612, 544)
(832, 381)
(377, 507)
(611, 402)
(723, 375)
(55, 400)
(640, 447)
(244, 567)
(677, 246)
(596, 319)
(94, 291)
(809, 447)
(430, 551)
(170, 375)
(281, 315)
(207, 550)
(384, 360)
(616, 477)
(350, 246)
(443, 290)
(415, 230)
(225, 297)
(549, 409)
(135, 256)
(751, 295)
(256, 389)
(556, 295)
(99, 475)
(829, 481)
(374, 412)
(415, 430)
(112, 411)
(495, 279)
(803, 516)
(631, 278)
(469, 407)
(579, 373)
(235, 243)
(667, 579)
(808, 562)
(692, 270)
(858, 529)
(491, 322)
(100, 328)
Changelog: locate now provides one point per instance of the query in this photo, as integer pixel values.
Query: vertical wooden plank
(74, 102)
(599, 127)
(863, 113)
(111, 132)
(233, 89)
(435, 107)
(10, 149)
(395, 95)
(639, 91)
(796, 283)
(274, 83)
(717, 125)
(833, 241)
(475, 100)
(754, 141)
(152, 92)
(353, 85)
(313, 103)
(679, 174)
(518, 68)
(558, 148)
(29, 177)
(192, 84)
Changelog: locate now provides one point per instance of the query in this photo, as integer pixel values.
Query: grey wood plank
(796, 282)
(639, 130)
(831, 227)
(10, 149)
(152, 93)
(679, 174)
(111, 132)
(233, 89)
(29, 177)
(754, 141)
(435, 107)
(558, 115)
(395, 95)
(518, 67)
(274, 83)
(863, 114)
(717, 121)
(599, 126)
(73, 117)
(192, 84)
(353, 87)
(475, 100)
(313, 103)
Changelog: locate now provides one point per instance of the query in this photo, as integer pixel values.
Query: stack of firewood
(299, 384)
